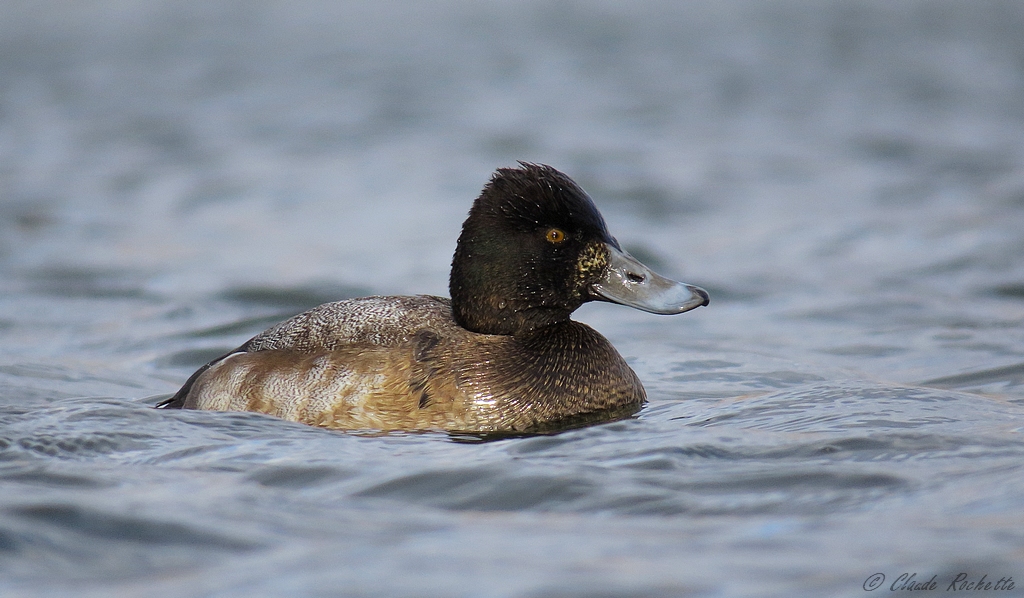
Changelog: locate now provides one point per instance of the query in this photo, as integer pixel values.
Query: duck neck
(485, 315)
(490, 297)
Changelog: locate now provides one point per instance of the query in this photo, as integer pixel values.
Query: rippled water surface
(846, 179)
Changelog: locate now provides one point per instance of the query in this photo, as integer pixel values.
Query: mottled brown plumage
(501, 355)
(440, 376)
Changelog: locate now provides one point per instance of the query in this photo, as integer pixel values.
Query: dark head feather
(506, 279)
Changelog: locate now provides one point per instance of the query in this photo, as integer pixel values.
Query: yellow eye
(555, 236)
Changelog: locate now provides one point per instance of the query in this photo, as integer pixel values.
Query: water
(845, 179)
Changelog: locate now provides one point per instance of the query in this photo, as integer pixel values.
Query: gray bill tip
(629, 282)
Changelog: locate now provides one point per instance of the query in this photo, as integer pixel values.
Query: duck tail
(177, 400)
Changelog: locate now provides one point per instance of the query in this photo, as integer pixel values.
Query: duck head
(534, 248)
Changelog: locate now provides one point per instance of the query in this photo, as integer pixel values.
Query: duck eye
(555, 236)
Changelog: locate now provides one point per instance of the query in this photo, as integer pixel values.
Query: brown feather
(439, 377)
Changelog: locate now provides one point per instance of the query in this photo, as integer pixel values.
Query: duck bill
(628, 282)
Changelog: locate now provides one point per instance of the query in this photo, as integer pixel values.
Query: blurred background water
(845, 178)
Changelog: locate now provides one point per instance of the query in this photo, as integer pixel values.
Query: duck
(502, 355)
